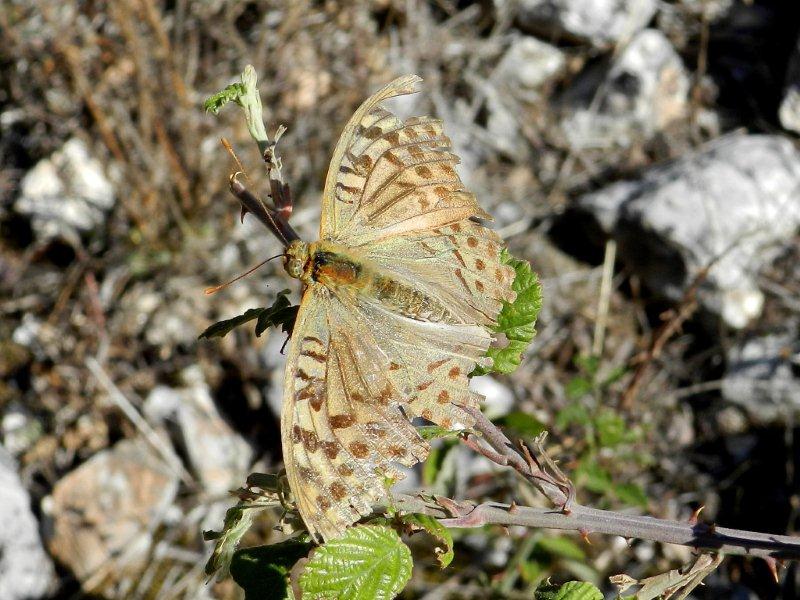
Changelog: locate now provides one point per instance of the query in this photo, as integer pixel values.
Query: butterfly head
(295, 259)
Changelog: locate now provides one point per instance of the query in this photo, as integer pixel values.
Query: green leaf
(436, 529)
(577, 387)
(280, 313)
(237, 521)
(631, 494)
(574, 413)
(523, 424)
(517, 319)
(369, 562)
(572, 590)
(263, 571)
(232, 93)
(588, 364)
(593, 477)
(246, 95)
(611, 428)
(563, 547)
(223, 328)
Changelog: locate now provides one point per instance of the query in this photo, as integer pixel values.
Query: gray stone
(729, 207)
(103, 514)
(218, 454)
(760, 378)
(644, 90)
(789, 110)
(66, 195)
(528, 64)
(601, 23)
(26, 571)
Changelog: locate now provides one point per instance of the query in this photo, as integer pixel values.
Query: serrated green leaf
(263, 571)
(232, 93)
(521, 423)
(517, 319)
(436, 529)
(572, 590)
(562, 547)
(369, 562)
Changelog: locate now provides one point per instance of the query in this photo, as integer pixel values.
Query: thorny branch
(541, 471)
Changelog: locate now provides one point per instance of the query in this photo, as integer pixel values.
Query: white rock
(529, 63)
(218, 454)
(789, 110)
(644, 90)
(26, 571)
(66, 195)
(499, 399)
(730, 206)
(599, 22)
(760, 378)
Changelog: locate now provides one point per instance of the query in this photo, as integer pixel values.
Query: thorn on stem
(584, 533)
(513, 509)
(772, 565)
(693, 519)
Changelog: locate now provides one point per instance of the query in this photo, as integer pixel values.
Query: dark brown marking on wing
(436, 364)
(359, 449)
(341, 421)
(331, 449)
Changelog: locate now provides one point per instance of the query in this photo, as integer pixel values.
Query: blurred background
(641, 154)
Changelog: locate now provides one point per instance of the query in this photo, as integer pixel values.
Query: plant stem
(587, 520)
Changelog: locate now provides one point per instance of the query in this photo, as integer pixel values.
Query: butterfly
(400, 294)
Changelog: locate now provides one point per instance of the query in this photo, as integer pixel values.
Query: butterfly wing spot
(331, 449)
(341, 421)
(337, 491)
(454, 373)
(479, 264)
(436, 364)
(472, 242)
(443, 397)
(359, 449)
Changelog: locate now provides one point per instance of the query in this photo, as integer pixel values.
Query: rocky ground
(654, 141)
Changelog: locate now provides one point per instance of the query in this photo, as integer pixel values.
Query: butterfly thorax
(346, 273)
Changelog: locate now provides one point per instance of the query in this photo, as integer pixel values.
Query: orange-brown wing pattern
(357, 371)
(341, 425)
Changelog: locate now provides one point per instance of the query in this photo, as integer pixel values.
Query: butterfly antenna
(216, 288)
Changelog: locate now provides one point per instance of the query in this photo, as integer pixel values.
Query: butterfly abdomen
(408, 301)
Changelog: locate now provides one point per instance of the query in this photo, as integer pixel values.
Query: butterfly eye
(294, 267)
